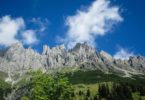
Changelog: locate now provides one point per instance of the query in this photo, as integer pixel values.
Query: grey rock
(106, 56)
(18, 60)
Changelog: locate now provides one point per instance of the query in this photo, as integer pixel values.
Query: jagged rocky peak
(46, 50)
(106, 55)
(59, 48)
(79, 48)
(17, 45)
(14, 49)
(137, 61)
(17, 50)
(139, 58)
(83, 47)
(17, 59)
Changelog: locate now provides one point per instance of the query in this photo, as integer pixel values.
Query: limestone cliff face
(18, 60)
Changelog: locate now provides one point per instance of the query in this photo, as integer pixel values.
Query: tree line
(118, 91)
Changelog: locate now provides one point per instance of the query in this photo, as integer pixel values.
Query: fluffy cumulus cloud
(123, 54)
(87, 24)
(11, 28)
(29, 37)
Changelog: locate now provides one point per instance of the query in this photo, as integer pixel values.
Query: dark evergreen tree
(80, 93)
(110, 97)
(107, 90)
(88, 93)
(103, 91)
(142, 91)
(121, 91)
(95, 98)
(73, 94)
(127, 92)
(133, 88)
(99, 91)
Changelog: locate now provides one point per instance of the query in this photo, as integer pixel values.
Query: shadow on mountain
(92, 77)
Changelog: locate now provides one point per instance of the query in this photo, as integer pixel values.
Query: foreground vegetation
(79, 85)
(5, 88)
(112, 87)
(42, 86)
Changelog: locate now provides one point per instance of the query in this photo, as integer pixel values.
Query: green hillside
(90, 80)
(70, 84)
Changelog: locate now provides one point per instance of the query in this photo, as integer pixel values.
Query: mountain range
(17, 60)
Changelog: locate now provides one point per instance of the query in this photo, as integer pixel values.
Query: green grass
(136, 96)
(92, 77)
(3, 75)
(92, 87)
(94, 90)
(83, 80)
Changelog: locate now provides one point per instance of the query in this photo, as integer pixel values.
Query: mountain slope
(17, 60)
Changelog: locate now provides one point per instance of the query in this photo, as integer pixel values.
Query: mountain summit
(17, 59)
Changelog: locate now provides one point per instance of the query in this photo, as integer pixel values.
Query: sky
(115, 26)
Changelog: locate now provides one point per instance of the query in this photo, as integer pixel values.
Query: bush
(5, 88)
(47, 87)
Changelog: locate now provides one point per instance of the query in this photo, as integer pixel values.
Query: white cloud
(29, 37)
(9, 29)
(96, 20)
(123, 54)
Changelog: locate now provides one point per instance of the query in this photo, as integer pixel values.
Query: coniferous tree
(133, 88)
(107, 90)
(88, 93)
(127, 92)
(99, 90)
(73, 94)
(80, 93)
(142, 91)
(95, 98)
(103, 91)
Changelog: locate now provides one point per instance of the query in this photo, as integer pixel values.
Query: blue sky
(40, 22)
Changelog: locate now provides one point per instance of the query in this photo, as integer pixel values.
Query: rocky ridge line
(18, 60)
